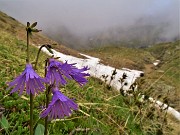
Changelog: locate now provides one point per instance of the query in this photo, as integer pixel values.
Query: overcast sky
(82, 17)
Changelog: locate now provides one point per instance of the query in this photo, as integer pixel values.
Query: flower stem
(31, 114)
(31, 95)
(47, 100)
(38, 56)
(27, 44)
(48, 48)
(46, 119)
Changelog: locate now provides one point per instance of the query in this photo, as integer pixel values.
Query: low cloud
(91, 23)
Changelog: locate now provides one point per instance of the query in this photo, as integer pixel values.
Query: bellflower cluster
(30, 80)
(57, 73)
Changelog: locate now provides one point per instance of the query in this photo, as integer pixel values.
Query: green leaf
(34, 25)
(28, 24)
(35, 30)
(4, 122)
(39, 130)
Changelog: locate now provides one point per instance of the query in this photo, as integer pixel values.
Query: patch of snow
(163, 106)
(156, 62)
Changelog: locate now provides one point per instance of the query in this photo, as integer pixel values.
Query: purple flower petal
(30, 80)
(59, 107)
(57, 72)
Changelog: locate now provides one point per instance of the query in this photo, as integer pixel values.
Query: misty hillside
(86, 24)
(142, 34)
(145, 32)
(102, 110)
(17, 29)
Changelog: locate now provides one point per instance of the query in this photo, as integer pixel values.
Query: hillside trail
(148, 68)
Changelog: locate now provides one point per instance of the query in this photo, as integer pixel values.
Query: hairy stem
(27, 60)
(47, 100)
(46, 119)
(38, 56)
(31, 95)
(31, 114)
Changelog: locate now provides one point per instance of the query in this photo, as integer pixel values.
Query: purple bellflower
(30, 80)
(57, 72)
(76, 74)
(59, 107)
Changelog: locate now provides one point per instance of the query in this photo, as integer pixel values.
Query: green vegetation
(120, 57)
(167, 72)
(169, 55)
(102, 111)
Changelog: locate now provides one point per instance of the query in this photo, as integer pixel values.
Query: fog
(91, 23)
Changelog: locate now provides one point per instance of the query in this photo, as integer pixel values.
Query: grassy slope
(166, 77)
(117, 115)
(169, 54)
(120, 57)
